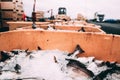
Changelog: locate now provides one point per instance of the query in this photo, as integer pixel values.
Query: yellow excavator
(62, 14)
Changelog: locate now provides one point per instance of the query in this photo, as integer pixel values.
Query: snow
(41, 65)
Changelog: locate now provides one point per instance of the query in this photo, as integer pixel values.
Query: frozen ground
(51, 65)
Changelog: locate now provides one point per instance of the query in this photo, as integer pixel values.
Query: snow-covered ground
(49, 65)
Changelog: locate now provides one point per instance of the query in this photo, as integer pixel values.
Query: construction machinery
(101, 17)
(98, 17)
(62, 14)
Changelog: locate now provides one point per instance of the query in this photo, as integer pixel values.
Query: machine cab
(62, 10)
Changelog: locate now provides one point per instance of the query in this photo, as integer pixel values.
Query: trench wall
(102, 46)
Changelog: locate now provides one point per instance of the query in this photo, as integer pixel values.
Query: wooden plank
(6, 0)
(8, 14)
(115, 47)
(97, 45)
(9, 0)
(7, 5)
(14, 25)
(0, 17)
(12, 5)
(0, 5)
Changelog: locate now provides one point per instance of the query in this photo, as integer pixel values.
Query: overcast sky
(111, 8)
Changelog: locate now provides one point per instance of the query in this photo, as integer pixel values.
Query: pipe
(34, 15)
